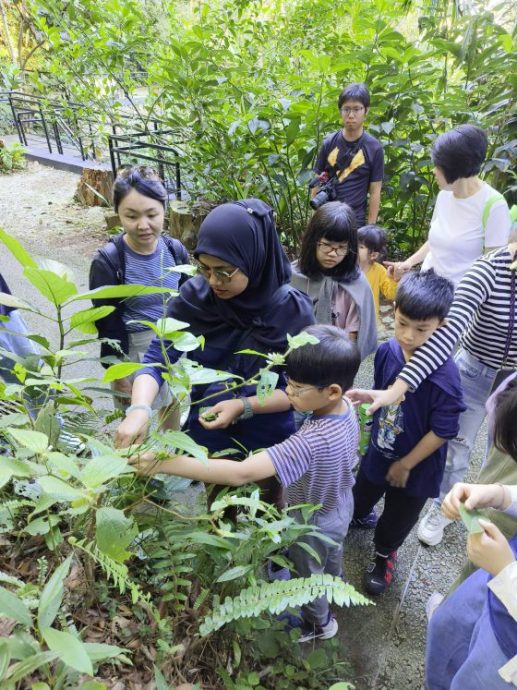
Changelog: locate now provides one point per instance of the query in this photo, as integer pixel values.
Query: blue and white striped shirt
(148, 269)
(315, 464)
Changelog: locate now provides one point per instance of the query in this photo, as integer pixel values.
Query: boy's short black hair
(355, 92)
(335, 221)
(505, 429)
(460, 152)
(334, 359)
(424, 295)
(374, 239)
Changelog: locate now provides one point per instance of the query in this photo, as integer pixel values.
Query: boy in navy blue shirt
(406, 457)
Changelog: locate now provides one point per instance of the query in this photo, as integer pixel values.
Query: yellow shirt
(380, 282)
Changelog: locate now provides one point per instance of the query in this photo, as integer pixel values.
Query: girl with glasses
(241, 300)
(328, 272)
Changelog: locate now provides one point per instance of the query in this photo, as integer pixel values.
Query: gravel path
(385, 644)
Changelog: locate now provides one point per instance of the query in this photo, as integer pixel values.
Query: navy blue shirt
(434, 406)
(4, 311)
(356, 163)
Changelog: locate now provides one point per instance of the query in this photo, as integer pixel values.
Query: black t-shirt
(356, 164)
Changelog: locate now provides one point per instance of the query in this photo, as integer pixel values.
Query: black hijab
(243, 234)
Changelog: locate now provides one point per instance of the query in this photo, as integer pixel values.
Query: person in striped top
(314, 465)
(483, 318)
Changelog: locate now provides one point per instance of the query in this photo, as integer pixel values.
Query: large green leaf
(17, 250)
(471, 519)
(121, 291)
(52, 595)
(5, 657)
(60, 489)
(24, 668)
(102, 468)
(69, 648)
(180, 441)
(234, 573)
(33, 440)
(97, 651)
(120, 371)
(11, 301)
(13, 607)
(114, 533)
(52, 286)
(84, 320)
(10, 467)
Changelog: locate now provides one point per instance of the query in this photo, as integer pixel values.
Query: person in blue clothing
(13, 339)
(406, 457)
(242, 299)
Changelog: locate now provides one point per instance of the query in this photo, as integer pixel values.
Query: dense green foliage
(251, 87)
(85, 539)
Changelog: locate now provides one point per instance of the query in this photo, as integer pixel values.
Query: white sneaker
(430, 529)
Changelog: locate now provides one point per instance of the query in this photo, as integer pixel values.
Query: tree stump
(185, 219)
(95, 187)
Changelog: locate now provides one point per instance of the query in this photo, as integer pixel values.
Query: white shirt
(457, 237)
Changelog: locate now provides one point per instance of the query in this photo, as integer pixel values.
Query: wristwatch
(247, 413)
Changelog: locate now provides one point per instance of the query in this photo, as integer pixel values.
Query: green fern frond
(15, 505)
(114, 571)
(275, 597)
(10, 580)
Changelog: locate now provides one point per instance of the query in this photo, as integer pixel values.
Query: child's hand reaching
(222, 414)
(398, 475)
(474, 496)
(359, 395)
(145, 463)
(489, 549)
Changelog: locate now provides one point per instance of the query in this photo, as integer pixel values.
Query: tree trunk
(95, 187)
(7, 35)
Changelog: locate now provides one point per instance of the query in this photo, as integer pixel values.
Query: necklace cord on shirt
(511, 324)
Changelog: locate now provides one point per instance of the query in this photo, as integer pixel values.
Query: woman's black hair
(355, 92)
(460, 152)
(334, 221)
(505, 427)
(143, 180)
(334, 359)
(374, 239)
(424, 295)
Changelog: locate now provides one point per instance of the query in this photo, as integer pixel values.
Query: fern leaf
(275, 597)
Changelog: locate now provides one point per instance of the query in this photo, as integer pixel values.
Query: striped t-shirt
(480, 316)
(148, 269)
(315, 464)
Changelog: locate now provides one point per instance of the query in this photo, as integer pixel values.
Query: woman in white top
(470, 218)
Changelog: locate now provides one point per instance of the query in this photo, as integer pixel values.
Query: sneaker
(379, 575)
(430, 529)
(367, 522)
(315, 631)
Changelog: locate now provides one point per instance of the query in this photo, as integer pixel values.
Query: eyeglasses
(354, 111)
(329, 248)
(221, 276)
(296, 392)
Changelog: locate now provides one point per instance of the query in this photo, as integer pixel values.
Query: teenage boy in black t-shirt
(354, 156)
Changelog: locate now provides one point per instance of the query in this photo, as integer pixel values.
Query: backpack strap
(493, 199)
(113, 253)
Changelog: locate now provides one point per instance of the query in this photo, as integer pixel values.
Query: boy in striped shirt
(314, 465)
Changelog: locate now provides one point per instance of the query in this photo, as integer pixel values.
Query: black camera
(327, 191)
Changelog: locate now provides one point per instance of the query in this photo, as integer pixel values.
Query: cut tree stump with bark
(95, 187)
(185, 219)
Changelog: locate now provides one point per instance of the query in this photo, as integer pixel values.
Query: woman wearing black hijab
(241, 300)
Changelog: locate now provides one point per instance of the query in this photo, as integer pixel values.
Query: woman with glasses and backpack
(141, 255)
(242, 300)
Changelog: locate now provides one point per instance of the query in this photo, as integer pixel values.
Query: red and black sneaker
(379, 575)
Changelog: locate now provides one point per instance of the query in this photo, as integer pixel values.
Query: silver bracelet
(140, 406)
